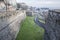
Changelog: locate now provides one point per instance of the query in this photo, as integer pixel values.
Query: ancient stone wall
(52, 28)
(10, 24)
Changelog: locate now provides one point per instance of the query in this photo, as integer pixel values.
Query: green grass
(30, 31)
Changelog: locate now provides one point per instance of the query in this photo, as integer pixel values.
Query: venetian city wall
(10, 24)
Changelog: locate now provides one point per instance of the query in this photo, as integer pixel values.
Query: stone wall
(30, 13)
(52, 28)
(10, 24)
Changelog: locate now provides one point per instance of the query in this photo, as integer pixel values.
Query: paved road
(47, 35)
(36, 20)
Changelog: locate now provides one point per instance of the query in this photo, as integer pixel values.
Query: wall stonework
(10, 25)
(52, 29)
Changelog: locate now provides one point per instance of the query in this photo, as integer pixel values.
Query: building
(8, 5)
(43, 13)
(12, 2)
(2, 5)
(29, 13)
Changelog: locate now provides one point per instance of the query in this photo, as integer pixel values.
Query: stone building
(8, 5)
(2, 5)
(29, 13)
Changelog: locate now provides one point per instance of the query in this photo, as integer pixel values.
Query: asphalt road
(36, 20)
(47, 35)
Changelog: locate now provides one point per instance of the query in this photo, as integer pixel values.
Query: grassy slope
(30, 31)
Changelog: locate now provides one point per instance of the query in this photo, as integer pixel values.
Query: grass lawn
(29, 30)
